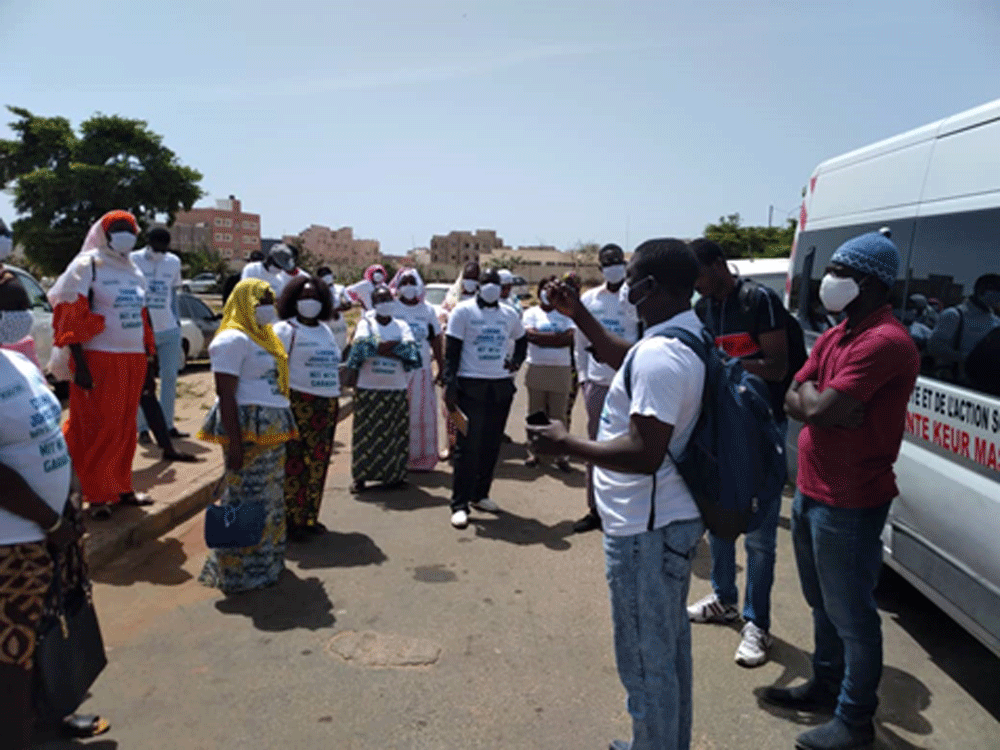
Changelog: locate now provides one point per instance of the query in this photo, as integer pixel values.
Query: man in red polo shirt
(851, 396)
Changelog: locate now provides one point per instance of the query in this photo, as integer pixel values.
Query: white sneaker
(459, 519)
(711, 609)
(488, 505)
(752, 651)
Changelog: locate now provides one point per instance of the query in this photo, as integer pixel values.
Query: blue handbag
(231, 525)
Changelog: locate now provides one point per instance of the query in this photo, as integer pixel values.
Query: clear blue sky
(549, 121)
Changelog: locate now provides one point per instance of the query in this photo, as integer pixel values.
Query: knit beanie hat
(872, 254)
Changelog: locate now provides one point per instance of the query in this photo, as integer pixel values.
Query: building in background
(336, 248)
(224, 229)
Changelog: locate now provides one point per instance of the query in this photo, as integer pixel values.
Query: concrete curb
(162, 518)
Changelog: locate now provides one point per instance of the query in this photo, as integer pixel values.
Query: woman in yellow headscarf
(252, 421)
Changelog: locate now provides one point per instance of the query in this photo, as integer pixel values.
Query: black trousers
(486, 404)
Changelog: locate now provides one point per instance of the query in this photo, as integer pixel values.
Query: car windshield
(435, 296)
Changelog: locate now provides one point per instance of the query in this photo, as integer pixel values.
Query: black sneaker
(145, 438)
(808, 696)
(589, 522)
(836, 734)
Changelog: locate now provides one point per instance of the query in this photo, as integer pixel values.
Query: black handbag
(69, 654)
(233, 525)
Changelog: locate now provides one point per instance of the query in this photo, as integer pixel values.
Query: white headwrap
(76, 279)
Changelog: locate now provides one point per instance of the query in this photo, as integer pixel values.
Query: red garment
(101, 431)
(877, 363)
(74, 323)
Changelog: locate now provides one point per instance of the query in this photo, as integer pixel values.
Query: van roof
(751, 266)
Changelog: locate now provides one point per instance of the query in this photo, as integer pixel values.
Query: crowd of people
(283, 354)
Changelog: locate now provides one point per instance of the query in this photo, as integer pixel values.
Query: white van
(937, 190)
(771, 272)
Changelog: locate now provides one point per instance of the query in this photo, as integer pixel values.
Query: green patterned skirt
(380, 440)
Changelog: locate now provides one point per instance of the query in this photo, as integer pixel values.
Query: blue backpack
(734, 462)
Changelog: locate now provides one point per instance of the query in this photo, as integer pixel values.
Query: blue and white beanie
(872, 254)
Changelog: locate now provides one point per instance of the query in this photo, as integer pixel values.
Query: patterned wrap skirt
(423, 420)
(261, 480)
(380, 440)
(25, 579)
(308, 457)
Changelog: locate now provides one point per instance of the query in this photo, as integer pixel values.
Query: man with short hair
(278, 259)
(960, 328)
(477, 380)
(617, 316)
(651, 523)
(851, 396)
(750, 323)
(162, 270)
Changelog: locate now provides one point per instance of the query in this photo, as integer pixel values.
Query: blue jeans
(648, 577)
(839, 554)
(168, 352)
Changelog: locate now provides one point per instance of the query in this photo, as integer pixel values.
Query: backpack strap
(699, 345)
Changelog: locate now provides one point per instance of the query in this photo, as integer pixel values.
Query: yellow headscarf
(240, 314)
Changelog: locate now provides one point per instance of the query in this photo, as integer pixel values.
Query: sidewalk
(179, 490)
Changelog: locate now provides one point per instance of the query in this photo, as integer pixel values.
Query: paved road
(396, 631)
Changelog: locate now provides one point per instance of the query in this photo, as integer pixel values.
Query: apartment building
(459, 247)
(225, 229)
(337, 247)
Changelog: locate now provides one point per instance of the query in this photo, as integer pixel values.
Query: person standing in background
(361, 291)
(278, 259)
(100, 314)
(609, 307)
(426, 329)
(314, 387)
(341, 304)
(506, 292)
(162, 270)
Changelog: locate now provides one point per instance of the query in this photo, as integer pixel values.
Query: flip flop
(135, 498)
(82, 726)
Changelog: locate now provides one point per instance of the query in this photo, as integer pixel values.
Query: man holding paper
(479, 390)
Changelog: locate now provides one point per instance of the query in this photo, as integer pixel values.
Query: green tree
(202, 260)
(739, 241)
(62, 182)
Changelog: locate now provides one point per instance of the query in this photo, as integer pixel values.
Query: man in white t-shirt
(162, 270)
(278, 259)
(477, 378)
(617, 316)
(651, 523)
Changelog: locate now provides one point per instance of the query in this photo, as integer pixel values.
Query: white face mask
(614, 274)
(6, 246)
(470, 285)
(328, 280)
(377, 277)
(385, 309)
(122, 243)
(623, 294)
(265, 314)
(837, 292)
(15, 325)
(544, 298)
(489, 293)
(309, 308)
(408, 292)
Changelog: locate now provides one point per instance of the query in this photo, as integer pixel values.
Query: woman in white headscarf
(420, 316)
(100, 315)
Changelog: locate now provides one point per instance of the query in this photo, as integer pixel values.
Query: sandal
(135, 498)
(82, 726)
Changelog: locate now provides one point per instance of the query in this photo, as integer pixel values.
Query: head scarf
(370, 271)
(412, 273)
(239, 314)
(75, 280)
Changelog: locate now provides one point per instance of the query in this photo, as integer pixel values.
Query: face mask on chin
(837, 292)
(15, 325)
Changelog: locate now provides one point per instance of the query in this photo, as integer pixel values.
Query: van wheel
(185, 353)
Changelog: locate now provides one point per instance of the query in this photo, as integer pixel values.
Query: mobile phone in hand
(538, 419)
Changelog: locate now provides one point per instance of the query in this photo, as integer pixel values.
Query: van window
(952, 254)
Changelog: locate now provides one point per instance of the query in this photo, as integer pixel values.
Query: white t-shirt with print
(382, 373)
(256, 270)
(484, 332)
(119, 296)
(234, 353)
(338, 327)
(163, 279)
(552, 321)
(667, 383)
(422, 320)
(313, 358)
(31, 443)
(617, 317)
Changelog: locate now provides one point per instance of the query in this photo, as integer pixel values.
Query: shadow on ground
(336, 549)
(134, 566)
(291, 603)
(515, 529)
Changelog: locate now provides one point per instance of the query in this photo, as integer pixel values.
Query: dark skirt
(308, 457)
(380, 441)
